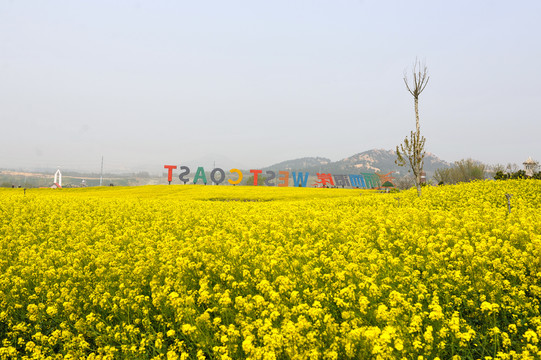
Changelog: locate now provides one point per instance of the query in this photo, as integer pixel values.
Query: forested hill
(375, 160)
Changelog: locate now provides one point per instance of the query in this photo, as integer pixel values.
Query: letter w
(299, 178)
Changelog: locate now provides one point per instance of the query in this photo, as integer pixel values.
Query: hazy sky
(148, 83)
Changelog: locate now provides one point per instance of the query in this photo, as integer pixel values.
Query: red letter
(169, 172)
(256, 172)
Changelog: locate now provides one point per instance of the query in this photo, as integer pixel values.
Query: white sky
(148, 83)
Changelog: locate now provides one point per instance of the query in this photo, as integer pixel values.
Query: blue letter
(298, 178)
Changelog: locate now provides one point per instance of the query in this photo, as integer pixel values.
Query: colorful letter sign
(281, 178)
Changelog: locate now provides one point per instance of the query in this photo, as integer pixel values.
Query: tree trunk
(417, 153)
(417, 115)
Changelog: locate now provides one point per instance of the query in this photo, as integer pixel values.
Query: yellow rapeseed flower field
(223, 272)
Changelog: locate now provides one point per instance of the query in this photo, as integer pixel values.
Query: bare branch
(420, 79)
(407, 86)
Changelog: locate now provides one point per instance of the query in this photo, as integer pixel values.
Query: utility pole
(101, 175)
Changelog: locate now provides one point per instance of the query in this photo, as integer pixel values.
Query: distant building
(530, 166)
(57, 183)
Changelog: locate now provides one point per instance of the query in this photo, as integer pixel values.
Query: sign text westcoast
(280, 178)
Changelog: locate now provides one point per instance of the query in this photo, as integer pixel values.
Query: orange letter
(238, 180)
(256, 172)
(169, 172)
(284, 178)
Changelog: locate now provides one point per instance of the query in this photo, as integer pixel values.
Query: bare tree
(465, 170)
(405, 182)
(511, 168)
(443, 176)
(420, 80)
(411, 152)
(497, 167)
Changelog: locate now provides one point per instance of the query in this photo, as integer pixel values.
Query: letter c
(238, 180)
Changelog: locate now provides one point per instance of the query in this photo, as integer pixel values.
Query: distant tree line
(467, 170)
(519, 174)
(464, 170)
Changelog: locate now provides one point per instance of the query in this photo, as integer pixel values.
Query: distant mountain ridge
(375, 160)
(302, 163)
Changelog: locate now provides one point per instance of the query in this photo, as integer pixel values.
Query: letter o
(222, 176)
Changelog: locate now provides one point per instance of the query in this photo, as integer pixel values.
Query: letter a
(200, 174)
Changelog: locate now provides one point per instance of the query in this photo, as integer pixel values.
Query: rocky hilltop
(375, 160)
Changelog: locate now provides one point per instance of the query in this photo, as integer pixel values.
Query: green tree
(501, 175)
(260, 180)
(520, 174)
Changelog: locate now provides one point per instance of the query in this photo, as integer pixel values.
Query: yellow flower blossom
(223, 272)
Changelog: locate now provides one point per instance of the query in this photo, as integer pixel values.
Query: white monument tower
(58, 178)
(530, 166)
